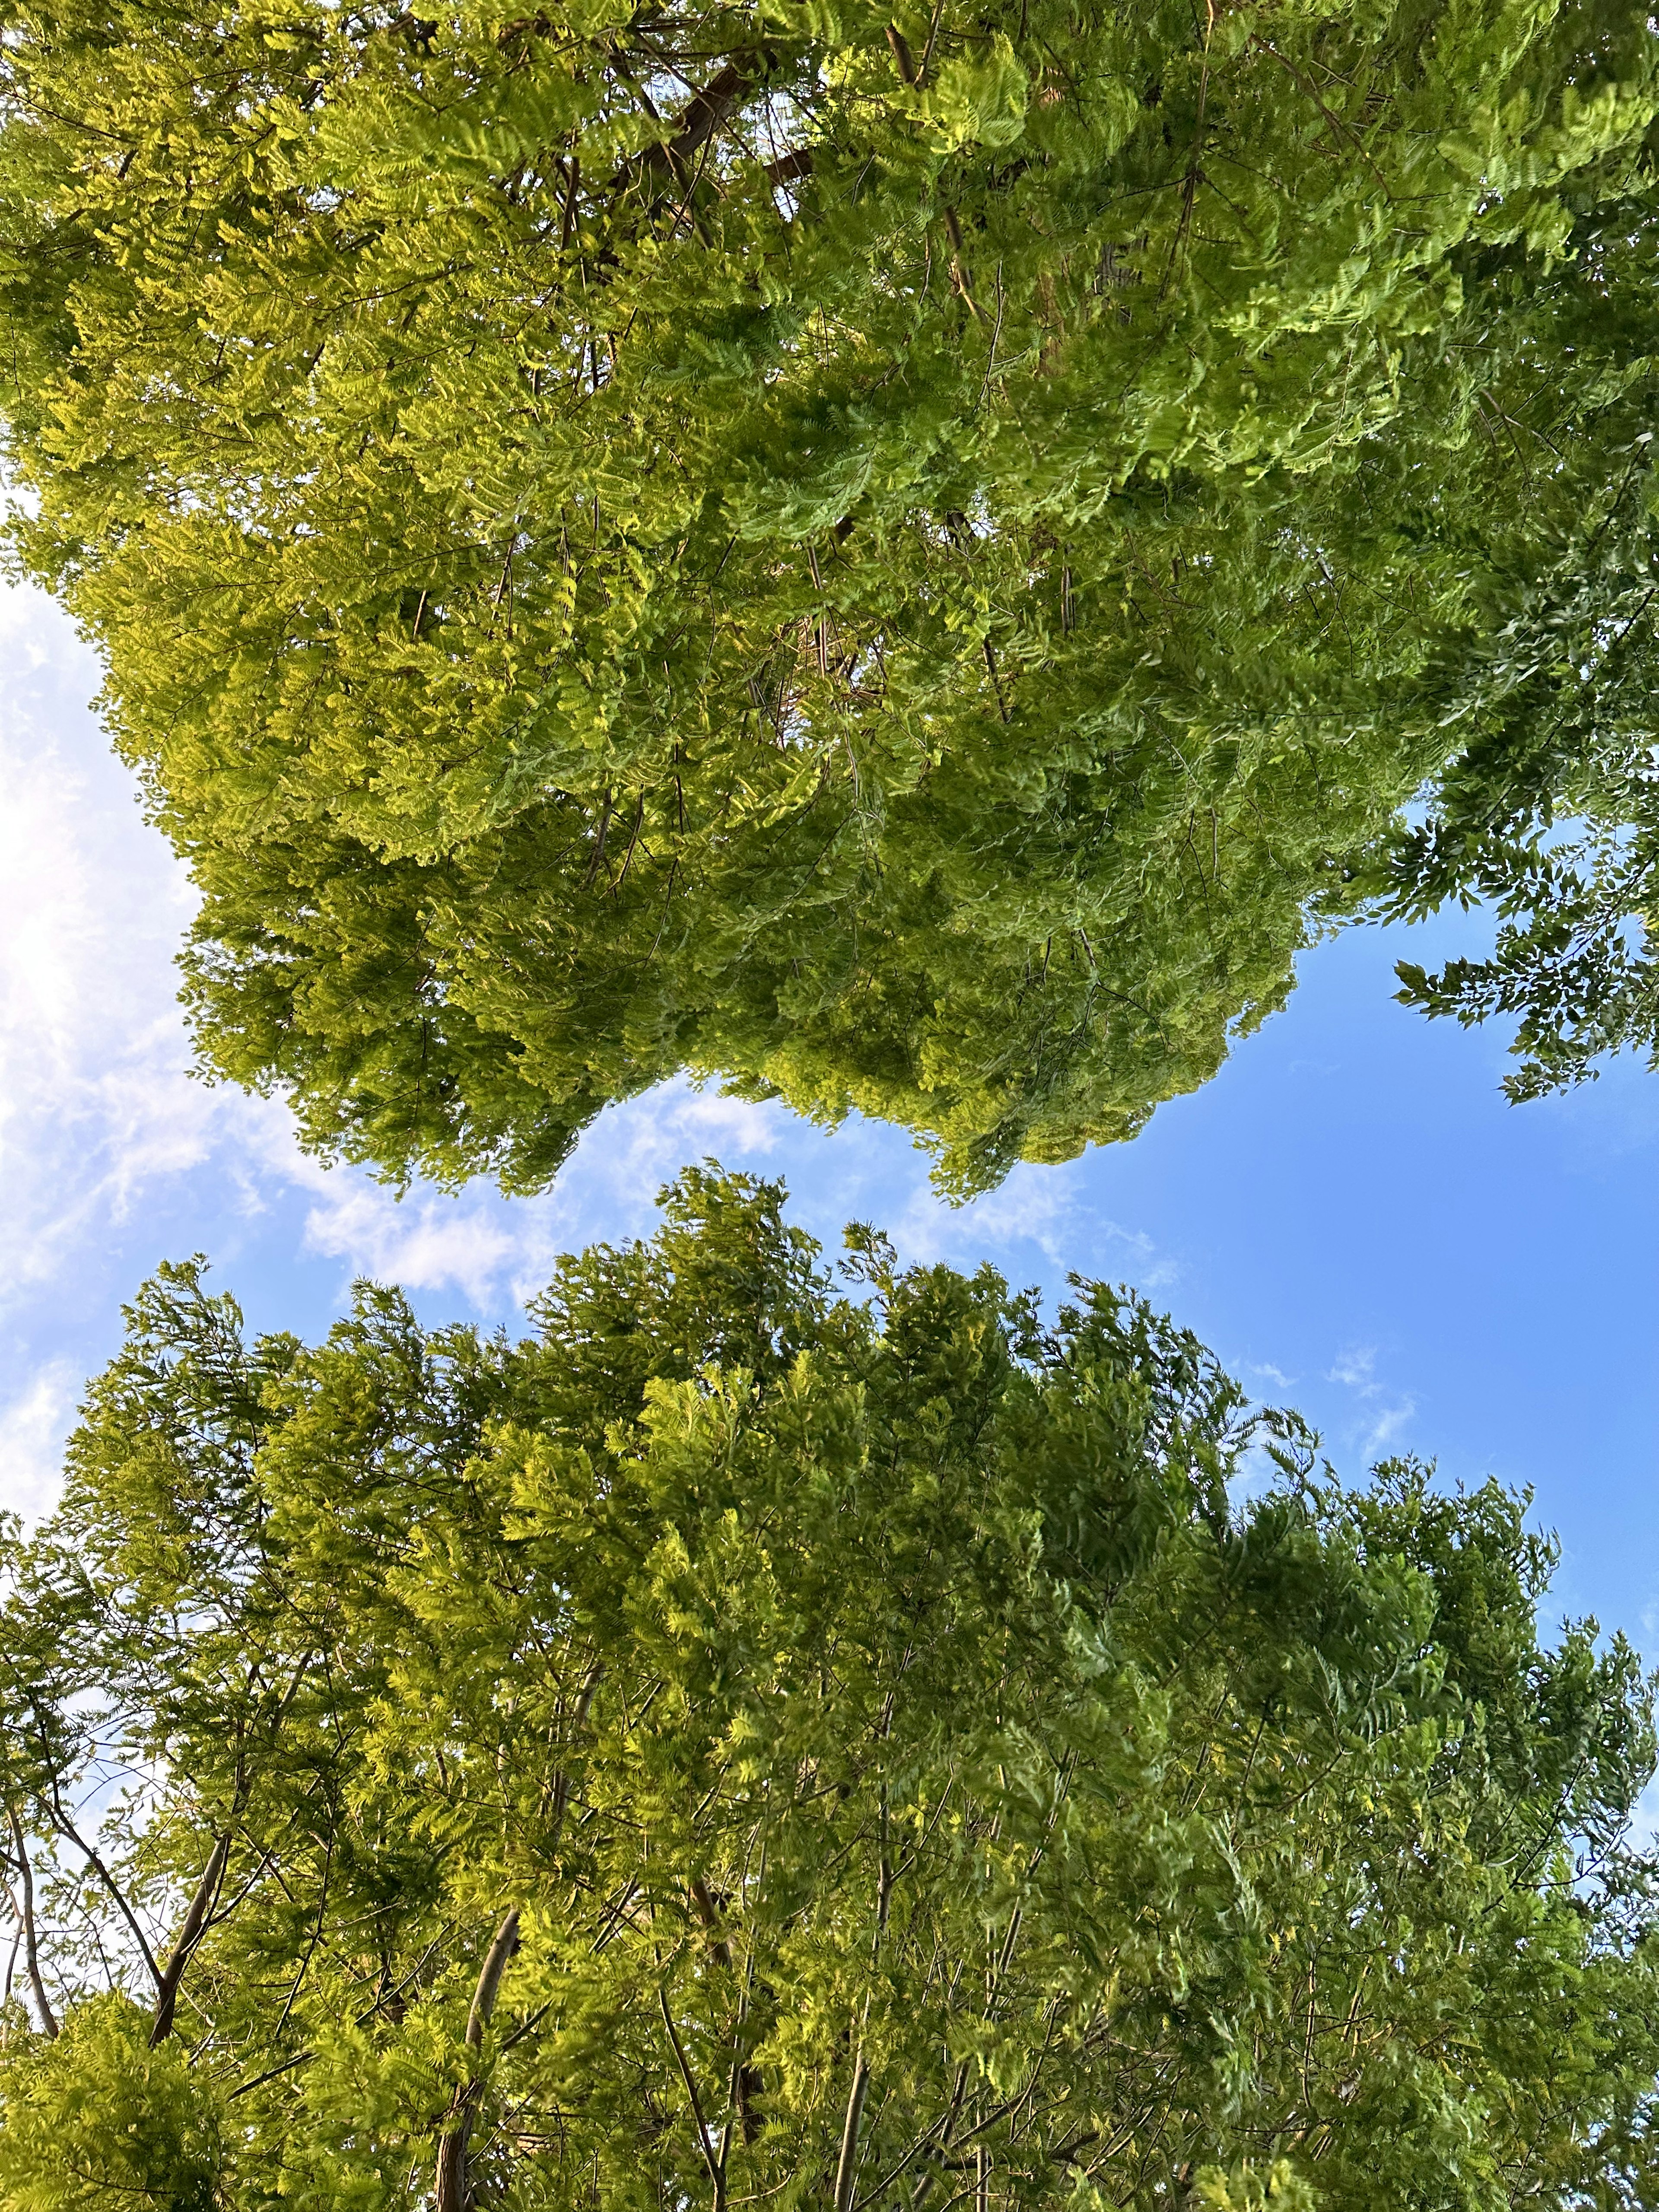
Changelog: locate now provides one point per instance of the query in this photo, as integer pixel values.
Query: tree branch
(901, 55)
(706, 111)
(66, 1828)
(30, 1950)
(166, 1993)
(846, 2165)
(490, 1979)
(452, 2190)
(703, 2138)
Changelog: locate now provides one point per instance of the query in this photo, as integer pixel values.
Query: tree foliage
(904, 561)
(1550, 814)
(749, 1744)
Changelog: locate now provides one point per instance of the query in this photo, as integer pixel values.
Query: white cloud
(1265, 1371)
(491, 1250)
(97, 1108)
(94, 1099)
(1388, 1427)
(421, 1246)
(633, 1150)
(1379, 1425)
(33, 1427)
(1039, 1207)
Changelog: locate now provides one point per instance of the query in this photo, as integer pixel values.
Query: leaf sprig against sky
(1550, 813)
(904, 561)
(744, 1744)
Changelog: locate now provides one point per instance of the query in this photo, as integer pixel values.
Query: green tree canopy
(746, 1744)
(1549, 815)
(901, 561)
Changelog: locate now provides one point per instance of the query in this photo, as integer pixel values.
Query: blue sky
(1350, 1215)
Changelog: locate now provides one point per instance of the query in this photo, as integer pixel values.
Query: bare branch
(31, 1948)
(452, 2190)
(490, 1979)
(167, 1995)
(703, 2136)
(66, 1828)
(846, 2165)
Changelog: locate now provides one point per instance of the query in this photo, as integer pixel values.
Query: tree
(747, 1743)
(1549, 815)
(904, 563)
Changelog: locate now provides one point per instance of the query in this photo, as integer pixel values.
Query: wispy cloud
(1384, 1414)
(422, 1245)
(1357, 1369)
(33, 1427)
(1040, 1221)
(495, 1252)
(99, 1114)
(95, 1102)
(1264, 1371)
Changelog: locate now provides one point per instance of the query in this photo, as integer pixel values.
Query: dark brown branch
(1335, 120)
(633, 839)
(939, 2134)
(996, 680)
(704, 2137)
(453, 2190)
(527, 2026)
(709, 1913)
(699, 119)
(166, 1994)
(561, 1780)
(705, 113)
(598, 860)
(932, 35)
(746, 2084)
(282, 2066)
(311, 1947)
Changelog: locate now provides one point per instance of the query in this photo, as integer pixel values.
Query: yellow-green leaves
(739, 540)
(97, 2117)
(978, 99)
(1244, 2190)
(622, 1753)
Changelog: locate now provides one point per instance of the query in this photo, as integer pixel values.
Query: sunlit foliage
(745, 1744)
(903, 561)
